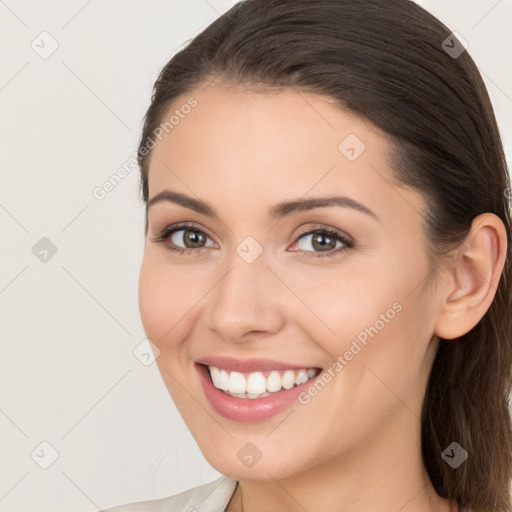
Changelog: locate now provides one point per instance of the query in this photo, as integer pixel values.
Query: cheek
(379, 297)
(150, 301)
(348, 305)
(379, 319)
(162, 303)
(163, 309)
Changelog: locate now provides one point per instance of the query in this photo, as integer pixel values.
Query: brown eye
(191, 238)
(324, 241)
(183, 239)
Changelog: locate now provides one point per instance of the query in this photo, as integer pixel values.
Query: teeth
(302, 376)
(237, 383)
(220, 377)
(274, 382)
(256, 385)
(288, 379)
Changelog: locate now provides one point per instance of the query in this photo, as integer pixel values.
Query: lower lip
(247, 410)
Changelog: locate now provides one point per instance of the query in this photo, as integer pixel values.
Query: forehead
(271, 145)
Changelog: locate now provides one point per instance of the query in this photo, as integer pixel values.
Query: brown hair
(393, 64)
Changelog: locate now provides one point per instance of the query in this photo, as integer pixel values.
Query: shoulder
(211, 497)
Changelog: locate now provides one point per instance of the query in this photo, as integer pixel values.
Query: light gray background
(68, 326)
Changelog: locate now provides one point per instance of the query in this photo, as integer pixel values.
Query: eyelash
(164, 235)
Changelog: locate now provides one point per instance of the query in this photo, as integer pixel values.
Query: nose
(246, 303)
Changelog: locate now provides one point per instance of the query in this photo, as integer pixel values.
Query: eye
(325, 241)
(189, 235)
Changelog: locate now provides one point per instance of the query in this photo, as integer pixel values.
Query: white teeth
(302, 376)
(288, 379)
(256, 385)
(274, 382)
(223, 380)
(237, 383)
(220, 378)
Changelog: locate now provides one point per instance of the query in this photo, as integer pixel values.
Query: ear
(473, 277)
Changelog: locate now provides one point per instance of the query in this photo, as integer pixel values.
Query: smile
(252, 390)
(258, 384)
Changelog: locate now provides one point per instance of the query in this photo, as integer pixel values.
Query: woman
(327, 265)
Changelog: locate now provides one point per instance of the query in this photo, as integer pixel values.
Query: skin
(356, 445)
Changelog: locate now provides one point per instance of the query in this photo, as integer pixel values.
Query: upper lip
(248, 365)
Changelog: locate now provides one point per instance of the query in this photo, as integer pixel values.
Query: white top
(212, 497)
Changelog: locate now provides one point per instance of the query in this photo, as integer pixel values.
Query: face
(319, 314)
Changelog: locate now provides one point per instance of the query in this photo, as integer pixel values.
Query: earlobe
(473, 277)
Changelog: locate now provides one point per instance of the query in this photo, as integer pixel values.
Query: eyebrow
(277, 212)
